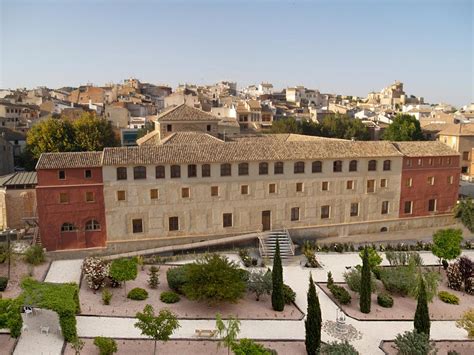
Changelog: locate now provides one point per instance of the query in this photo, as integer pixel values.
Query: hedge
(176, 278)
(10, 316)
(340, 293)
(138, 294)
(385, 300)
(169, 297)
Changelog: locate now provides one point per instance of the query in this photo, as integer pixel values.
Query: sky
(345, 47)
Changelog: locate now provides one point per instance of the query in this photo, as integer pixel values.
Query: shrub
(401, 258)
(123, 270)
(385, 300)
(454, 277)
(248, 346)
(106, 346)
(246, 259)
(176, 278)
(453, 352)
(466, 267)
(106, 296)
(3, 283)
(353, 280)
(95, 271)
(467, 322)
(335, 348)
(447, 297)
(10, 316)
(340, 293)
(169, 297)
(374, 258)
(153, 280)
(34, 255)
(260, 283)
(137, 294)
(311, 258)
(288, 294)
(3, 253)
(330, 279)
(413, 343)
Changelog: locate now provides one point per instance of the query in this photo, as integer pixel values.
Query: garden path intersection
(371, 332)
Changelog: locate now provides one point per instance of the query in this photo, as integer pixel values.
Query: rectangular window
(420, 162)
(432, 205)
(370, 186)
(63, 197)
(214, 190)
(384, 207)
(154, 194)
(450, 180)
(88, 174)
(430, 161)
(430, 180)
(295, 214)
(169, 128)
(192, 170)
(208, 128)
(227, 220)
(206, 170)
(62, 175)
(465, 155)
(122, 173)
(121, 195)
(173, 224)
(350, 185)
(325, 186)
(137, 225)
(383, 182)
(448, 161)
(244, 189)
(185, 192)
(299, 187)
(409, 182)
(354, 209)
(271, 188)
(226, 169)
(325, 211)
(408, 207)
(409, 162)
(90, 196)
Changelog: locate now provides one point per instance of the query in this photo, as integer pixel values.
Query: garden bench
(205, 333)
(44, 329)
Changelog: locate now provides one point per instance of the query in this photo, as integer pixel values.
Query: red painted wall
(421, 192)
(52, 214)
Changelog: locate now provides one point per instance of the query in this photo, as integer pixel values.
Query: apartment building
(194, 186)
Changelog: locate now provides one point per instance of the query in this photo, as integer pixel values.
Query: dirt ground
(462, 347)
(6, 344)
(246, 308)
(404, 307)
(20, 269)
(184, 347)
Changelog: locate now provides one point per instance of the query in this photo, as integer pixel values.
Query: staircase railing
(292, 247)
(261, 245)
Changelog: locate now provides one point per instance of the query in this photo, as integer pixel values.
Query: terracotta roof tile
(465, 129)
(69, 160)
(185, 113)
(424, 149)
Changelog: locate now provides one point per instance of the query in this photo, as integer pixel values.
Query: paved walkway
(63, 271)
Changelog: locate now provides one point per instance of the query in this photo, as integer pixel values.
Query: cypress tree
(422, 315)
(313, 321)
(365, 284)
(278, 300)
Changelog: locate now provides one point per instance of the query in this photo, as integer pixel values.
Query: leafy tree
(464, 212)
(158, 327)
(107, 346)
(422, 316)
(365, 284)
(260, 283)
(467, 322)
(286, 125)
(447, 243)
(123, 270)
(344, 127)
(374, 258)
(278, 299)
(342, 348)
(249, 347)
(213, 278)
(92, 133)
(77, 345)
(153, 280)
(313, 321)
(414, 343)
(404, 128)
(227, 332)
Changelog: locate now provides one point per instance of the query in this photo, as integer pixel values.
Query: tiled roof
(19, 178)
(424, 149)
(11, 135)
(190, 138)
(69, 160)
(465, 129)
(186, 113)
(434, 127)
(152, 137)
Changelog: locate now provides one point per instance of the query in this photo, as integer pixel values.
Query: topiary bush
(137, 294)
(353, 280)
(414, 343)
(169, 297)
(288, 294)
(340, 293)
(454, 276)
(385, 300)
(107, 346)
(3, 283)
(447, 297)
(34, 255)
(176, 278)
(335, 348)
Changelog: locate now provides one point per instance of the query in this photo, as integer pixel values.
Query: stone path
(63, 271)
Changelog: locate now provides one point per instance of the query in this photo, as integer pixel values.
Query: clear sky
(348, 47)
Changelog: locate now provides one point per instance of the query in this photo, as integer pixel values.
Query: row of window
(409, 205)
(62, 174)
(430, 181)
(430, 161)
(91, 225)
(140, 172)
(88, 197)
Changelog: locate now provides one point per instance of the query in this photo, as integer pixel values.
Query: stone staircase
(267, 244)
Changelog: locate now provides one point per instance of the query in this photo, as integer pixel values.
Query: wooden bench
(205, 333)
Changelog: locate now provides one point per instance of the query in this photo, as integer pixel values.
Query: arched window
(175, 171)
(387, 165)
(353, 165)
(139, 172)
(121, 173)
(160, 172)
(278, 168)
(263, 169)
(226, 169)
(372, 165)
(299, 167)
(317, 167)
(68, 227)
(92, 225)
(337, 166)
(243, 169)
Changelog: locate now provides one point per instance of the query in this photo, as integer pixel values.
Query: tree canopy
(122, 270)
(403, 128)
(447, 243)
(464, 212)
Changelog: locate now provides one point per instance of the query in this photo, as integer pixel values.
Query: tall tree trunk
(154, 350)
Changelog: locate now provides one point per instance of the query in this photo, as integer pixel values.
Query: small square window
(121, 195)
(88, 174)
(383, 182)
(244, 190)
(208, 128)
(325, 186)
(325, 211)
(137, 225)
(90, 196)
(409, 182)
(431, 180)
(408, 207)
(214, 190)
(169, 128)
(173, 224)
(295, 214)
(185, 192)
(272, 188)
(154, 194)
(432, 205)
(350, 185)
(62, 175)
(227, 220)
(450, 180)
(299, 187)
(63, 197)
(354, 209)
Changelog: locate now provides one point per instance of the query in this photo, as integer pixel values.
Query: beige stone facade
(460, 137)
(15, 205)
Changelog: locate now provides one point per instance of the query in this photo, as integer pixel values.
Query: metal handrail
(292, 247)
